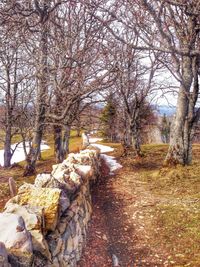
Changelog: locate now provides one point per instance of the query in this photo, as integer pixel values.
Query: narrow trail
(119, 224)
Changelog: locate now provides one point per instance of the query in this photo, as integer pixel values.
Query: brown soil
(119, 224)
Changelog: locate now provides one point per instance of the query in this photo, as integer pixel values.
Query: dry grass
(43, 166)
(176, 210)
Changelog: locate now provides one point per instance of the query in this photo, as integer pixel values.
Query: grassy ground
(44, 165)
(151, 213)
(176, 209)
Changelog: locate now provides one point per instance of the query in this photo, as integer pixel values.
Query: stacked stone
(45, 224)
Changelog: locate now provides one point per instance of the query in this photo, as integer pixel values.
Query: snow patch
(104, 149)
(19, 152)
(94, 140)
(93, 132)
(111, 162)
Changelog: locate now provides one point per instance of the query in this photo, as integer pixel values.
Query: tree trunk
(134, 131)
(7, 148)
(58, 143)
(135, 139)
(40, 105)
(40, 154)
(36, 142)
(65, 142)
(61, 142)
(33, 153)
(126, 133)
(8, 118)
(180, 149)
(78, 127)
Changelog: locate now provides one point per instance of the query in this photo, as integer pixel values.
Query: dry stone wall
(45, 224)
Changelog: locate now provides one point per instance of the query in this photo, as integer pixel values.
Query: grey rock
(42, 180)
(16, 238)
(33, 218)
(62, 227)
(3, 256)
(58, 247)
(64, 202)
(69, 245)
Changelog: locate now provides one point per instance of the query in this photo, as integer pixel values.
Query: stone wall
(45, 224)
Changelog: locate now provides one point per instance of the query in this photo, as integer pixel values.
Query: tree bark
(180, 149)
(61, 142)
(58, 143)
(66, 136)
(7, 148)
(8, 119)
(78, 127)
(135, 139)
(40, 107)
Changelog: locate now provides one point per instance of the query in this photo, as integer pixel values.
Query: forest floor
(146, 214)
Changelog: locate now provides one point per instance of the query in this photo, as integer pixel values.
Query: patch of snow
(19, 152)
(111, 162)
(104, 149)
(94, 140)
(93, 132)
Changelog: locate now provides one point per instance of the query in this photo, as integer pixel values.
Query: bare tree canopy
(59, 57)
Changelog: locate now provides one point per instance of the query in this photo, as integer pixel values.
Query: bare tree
(177, 26)
(134, 84)
(14, 87)
(63, 42)
(172, 29)
(76, 71)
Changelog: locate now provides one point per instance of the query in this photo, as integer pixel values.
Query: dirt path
(120, 224)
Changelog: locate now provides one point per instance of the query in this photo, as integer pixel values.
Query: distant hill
(169, 111)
